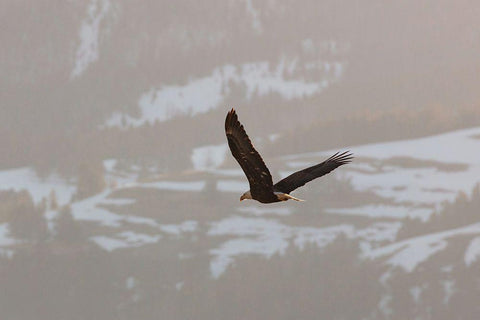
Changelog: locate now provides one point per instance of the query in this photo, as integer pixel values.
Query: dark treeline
(148, 144)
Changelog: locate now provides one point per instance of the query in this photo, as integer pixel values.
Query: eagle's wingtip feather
(342, 157)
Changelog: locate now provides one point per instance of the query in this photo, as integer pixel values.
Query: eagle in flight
(262, 188)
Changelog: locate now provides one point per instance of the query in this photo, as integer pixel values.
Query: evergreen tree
(53, 200)
(27, 221)
(66, 228)
(90, 179)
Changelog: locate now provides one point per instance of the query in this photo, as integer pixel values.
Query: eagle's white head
(246, 195)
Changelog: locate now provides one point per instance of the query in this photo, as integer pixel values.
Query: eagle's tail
(292, 197)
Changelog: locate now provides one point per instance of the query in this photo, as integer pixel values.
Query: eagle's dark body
(262, 188)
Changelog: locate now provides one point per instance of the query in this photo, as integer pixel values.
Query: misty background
(119, 196)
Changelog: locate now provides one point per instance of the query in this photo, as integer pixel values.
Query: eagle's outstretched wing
(299, 178)
(258, 175)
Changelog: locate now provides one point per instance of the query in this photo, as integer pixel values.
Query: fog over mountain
(119, 195)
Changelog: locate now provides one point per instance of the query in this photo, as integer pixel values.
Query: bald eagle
(262, 188)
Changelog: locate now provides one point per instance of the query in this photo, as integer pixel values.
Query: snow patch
(256, 24)
(87, 52)
(380, 231)
(229, 172)
(118, 201)
(208, 157)
(381, 211)
(27, 179)
(88, 210)
(449, 289)
(127, 239)
(473, 251)
(232, 186)
(260, 211)
(203, 94)
(178, 229)
(174, 185)
(408, 254)
(416, 293)
(5, 239)
(108, 243)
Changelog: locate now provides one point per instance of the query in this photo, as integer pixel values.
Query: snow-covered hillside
(119, 194)
(413, 177)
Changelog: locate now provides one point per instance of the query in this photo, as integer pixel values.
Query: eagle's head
(246, 195)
